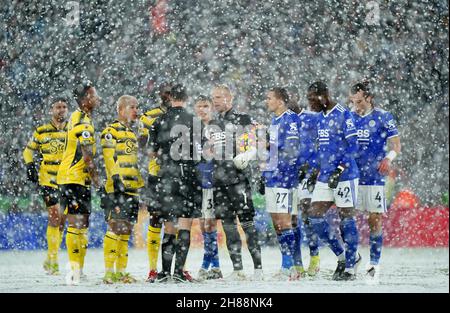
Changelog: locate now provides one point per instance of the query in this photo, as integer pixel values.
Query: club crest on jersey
(372, 123)
(349, 124)
(391, 124)
(331, 123)
(293, 127)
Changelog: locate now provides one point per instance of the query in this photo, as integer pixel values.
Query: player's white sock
(258, 275)
(72, 276)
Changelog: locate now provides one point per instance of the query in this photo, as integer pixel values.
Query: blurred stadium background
(130, 47)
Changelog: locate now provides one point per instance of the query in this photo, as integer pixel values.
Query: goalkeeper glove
(335, 176)
(242, 160)
(32, 173)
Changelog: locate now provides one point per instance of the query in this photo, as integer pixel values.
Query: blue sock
(313, 239)
(376, 243)
(298, 246)
(284, 258)
(321, 228)
(351, 237)
(214, 250)
(207, 249)
(287, 242)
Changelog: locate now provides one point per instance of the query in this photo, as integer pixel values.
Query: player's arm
(350, 152)
(288, 148)
(143, 131)
(242, 160)
(306, 157)
(314, 167)
(109, 142)
(394, 145)
(28, 156)
(88, 158)
(85, 136)
(153, 145)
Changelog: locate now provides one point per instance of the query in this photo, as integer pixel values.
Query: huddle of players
(314, 150)
(341, 159)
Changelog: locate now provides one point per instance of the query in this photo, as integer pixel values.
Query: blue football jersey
(282, 171)
(337, 143)
(374, 129)
(308, 138)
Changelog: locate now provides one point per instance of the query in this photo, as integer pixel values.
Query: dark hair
(81, 90)
(202, 98)
(294, 107)
(164, 86)
(319, 88)
(362, 86)
(59, 99)
(178, 92)
(281, 93)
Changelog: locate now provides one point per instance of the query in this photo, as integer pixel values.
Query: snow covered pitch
(416, 270)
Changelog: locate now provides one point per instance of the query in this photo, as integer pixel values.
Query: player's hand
(262, 185)
(118, 185)
(384, 167)
(119, 191)
(312, 180)
(302, 172)
(333, 181)
(32, 173)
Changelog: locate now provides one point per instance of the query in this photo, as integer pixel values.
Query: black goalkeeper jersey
(225, 173)
(166, 136)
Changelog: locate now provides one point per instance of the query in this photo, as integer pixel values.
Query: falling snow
(130, 47)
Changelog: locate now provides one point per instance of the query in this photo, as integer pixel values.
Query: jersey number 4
(378, 197)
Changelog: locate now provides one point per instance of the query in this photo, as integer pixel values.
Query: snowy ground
(404, 270)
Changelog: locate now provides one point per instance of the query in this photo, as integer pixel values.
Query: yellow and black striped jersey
(80, 132)
(120, 154)
(145, 123)
(49, 141)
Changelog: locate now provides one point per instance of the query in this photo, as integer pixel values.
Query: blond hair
(124, 101)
